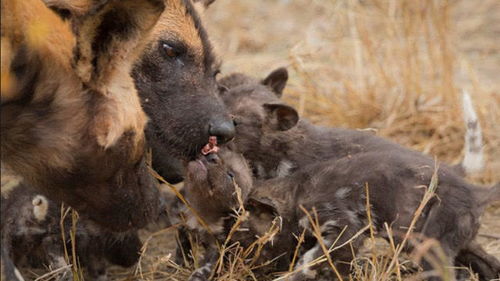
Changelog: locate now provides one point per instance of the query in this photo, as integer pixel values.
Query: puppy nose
(223, 130)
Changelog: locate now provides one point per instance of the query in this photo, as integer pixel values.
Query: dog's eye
(170, 51)
(230, 175)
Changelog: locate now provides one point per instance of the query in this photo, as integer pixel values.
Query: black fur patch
(209, 59)
(115, 24)
(26, 69)
(62, 13)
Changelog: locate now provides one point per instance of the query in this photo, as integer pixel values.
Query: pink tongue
(210, 147)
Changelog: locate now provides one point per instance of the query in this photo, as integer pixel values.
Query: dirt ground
(396, 66)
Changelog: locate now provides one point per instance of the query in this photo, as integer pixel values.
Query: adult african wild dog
(72, 124)
(175, 78)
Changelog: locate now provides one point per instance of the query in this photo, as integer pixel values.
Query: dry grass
(397, 66)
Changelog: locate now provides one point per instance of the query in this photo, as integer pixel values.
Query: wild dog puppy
(32, 237)
(276, 142)
(335, 192)
(175, 78)
(72, 124)
(215, 187)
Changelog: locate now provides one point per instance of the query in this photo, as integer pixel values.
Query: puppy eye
(230, 175)
(235, 121)
(169, 50)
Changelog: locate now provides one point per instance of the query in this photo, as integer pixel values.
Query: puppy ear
(262, 205)
(281, 117)
(276, 80)
(110, 35)
(73, 8)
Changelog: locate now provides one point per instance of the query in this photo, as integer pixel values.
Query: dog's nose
(222, 129)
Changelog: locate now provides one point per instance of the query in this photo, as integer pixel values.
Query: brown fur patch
(61, 131)
(177, 23)
(78, 7)
(31, 23)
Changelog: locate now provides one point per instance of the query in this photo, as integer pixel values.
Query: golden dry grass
(397, 66)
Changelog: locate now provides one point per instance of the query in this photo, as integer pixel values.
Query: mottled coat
(336, 191)
(72, 123)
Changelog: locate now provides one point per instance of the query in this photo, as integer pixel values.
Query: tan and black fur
(72, 124)
(175, 78)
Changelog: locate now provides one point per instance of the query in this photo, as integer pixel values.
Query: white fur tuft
(473, 159)
(40, 207)
(284, 168)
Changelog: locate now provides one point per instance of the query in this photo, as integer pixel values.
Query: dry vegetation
(397, 66)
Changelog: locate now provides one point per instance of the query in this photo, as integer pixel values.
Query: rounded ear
(71, 8)
(111, 36)
(260, 205)
(281, 117)
(276, 80)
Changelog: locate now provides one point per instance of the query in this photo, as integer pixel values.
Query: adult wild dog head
(72, 124)
(175, 79)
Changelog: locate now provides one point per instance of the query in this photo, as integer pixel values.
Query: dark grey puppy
(216, 186)
(277, 142)
(32, 236)
(335, 190)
